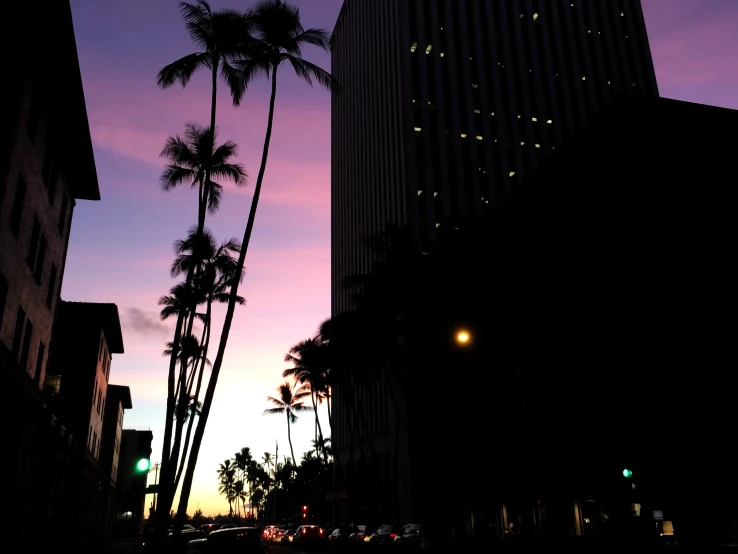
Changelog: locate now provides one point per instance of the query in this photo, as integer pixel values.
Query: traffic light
(627, 473)
(143, 465)
(304, 512)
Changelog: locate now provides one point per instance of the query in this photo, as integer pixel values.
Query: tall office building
(444, 107)
(446, 104)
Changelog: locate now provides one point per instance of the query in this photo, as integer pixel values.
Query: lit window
(435, 194)
(420, 192)
(584, 78)
(438, 225)
(493, 114)
(442, 54)
(538, 145)
(520, 116)
(475, 86)
(477, 111)
(609, 83)
(479, 137)
(463, 135)
(534, 119)
(428, 50)
(522, 144)
(512, 174)
(486, 201)
(418, 129)
(535, 17)
(622, 15)
(414, 47)
(549, 122)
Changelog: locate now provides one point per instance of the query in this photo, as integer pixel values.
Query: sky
(121, 247)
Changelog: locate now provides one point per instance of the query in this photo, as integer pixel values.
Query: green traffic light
(143, 465)
(627, 473)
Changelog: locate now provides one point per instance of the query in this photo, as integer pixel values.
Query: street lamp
(463, 337)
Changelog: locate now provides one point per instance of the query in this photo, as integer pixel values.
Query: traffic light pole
(156, 483)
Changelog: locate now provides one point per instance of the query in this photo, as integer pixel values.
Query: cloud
(147, 324)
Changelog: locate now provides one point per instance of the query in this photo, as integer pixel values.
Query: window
(94, 392)
(20, 320)
(39, 362)
(99, 400)
(63, 214)
(89, 437)
(53, 386)
(52, 286)
(26, 345)
(33, 248)
(100, 351)
(18, 201)
(38, 273)
(3, 296)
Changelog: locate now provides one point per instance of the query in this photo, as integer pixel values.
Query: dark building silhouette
(608, 350)
(446, 104)
(118, 400)
(46, 166)
(135, 445)
(619, 248)
(445, 108)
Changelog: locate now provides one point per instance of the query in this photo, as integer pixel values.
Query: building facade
(444, 108)
(46, 166)
(445, 105)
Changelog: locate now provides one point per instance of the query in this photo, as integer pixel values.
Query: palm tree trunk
(196, 398)
(328, 406)
(210, 392)
(289, 439)
(167, 471)
(319, 430)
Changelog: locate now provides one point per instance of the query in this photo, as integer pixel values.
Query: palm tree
(310, 367)
(226, 483)
(216, 272)
(288, 402)
(194, 159)
(322, 446)
(220, 34)
(279, 38)
(239, 494)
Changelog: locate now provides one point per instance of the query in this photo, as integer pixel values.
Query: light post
(463, 337)
(156, 482)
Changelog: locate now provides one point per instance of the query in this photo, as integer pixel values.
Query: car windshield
(384, 529)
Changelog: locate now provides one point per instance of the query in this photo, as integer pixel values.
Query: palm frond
(316, 37)
(234, 79)
(175, 175)
(273, 411)
(181, 71)
(308, 71)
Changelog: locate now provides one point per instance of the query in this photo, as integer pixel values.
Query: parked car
(409, 536)
(196, 546)
(384, 536)
(208, 527)
(276, 535)
(339, 537)
(309, 536)
(361, 534)
(241, 540)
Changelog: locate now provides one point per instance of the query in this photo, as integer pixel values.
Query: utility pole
(156, 483)
(274, 500)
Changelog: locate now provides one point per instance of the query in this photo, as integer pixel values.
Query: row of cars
(383, 536)
(212, 539)
(343, 537)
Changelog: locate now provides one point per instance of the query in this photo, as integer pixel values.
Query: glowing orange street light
(463, 337)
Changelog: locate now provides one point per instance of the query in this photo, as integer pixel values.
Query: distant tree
(289, 402)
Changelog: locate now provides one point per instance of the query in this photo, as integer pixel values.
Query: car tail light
(392, 535)
(321, 531)
(304, 531)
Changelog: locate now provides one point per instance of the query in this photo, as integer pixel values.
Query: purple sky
(120, 247)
